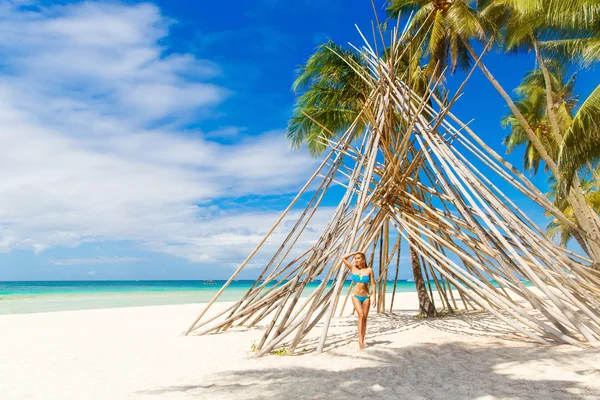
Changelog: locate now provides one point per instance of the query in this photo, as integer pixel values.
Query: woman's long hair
(364, 258)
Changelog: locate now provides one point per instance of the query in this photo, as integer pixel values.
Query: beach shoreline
(34, 297)
(142, 353)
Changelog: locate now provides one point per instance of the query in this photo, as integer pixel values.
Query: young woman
(362, 275)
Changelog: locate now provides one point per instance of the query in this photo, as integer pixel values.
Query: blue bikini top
(360, 278)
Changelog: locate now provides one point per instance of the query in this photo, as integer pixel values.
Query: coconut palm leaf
(406, 5)
(585, 51)
(332, 92)
(581, 144)
(443, 26)
(556, 229)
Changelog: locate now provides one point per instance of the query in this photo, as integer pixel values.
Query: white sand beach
(141, 353)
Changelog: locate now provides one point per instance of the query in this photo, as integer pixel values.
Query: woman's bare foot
(361, 345)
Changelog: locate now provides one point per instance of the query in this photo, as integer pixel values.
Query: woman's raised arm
(346, 257)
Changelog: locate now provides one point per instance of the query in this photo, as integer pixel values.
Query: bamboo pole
(414, 170)
(397, 270)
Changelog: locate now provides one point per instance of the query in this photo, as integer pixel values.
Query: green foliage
(576, 131)
(282, 351)
(333, 84)
(532, 104)
(584, 51)
(569, 31)
(332, 87)
(555, 228)
(332, 92)
(581, 144)
(545, 20)
(443, 28)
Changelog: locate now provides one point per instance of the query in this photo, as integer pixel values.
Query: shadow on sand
(451, 370)
(476, 324)
(448, 371)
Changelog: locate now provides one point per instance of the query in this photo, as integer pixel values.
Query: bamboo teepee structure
(419, 171)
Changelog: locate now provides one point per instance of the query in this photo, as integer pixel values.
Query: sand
(140, 353)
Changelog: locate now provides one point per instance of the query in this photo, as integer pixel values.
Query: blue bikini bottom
(361, 298)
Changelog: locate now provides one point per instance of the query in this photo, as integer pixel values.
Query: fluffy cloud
(93, 144)
(228, 239)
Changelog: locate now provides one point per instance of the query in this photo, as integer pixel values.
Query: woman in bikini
(362, 275)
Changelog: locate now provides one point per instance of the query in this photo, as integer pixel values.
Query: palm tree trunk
(555, 129)
(426, 307)
(556, 133)
(586, 216)
(581, 242)
(581, 210)
(513, 108)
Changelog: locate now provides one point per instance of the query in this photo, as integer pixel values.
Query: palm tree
(585, 50)
(331, 93)
(455, 21)
(555, 228)
(528, 24)
(451, 20)
(426, 307)
(536, 25)
(581, 144)
(581, 46)
(445, 28)
(568, 28)
(532, 103)
(517, 137)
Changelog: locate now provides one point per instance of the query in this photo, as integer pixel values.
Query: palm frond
(398, 6)
(438, 34)
(581, 144)
(520, 28)
(330, 91)
(586, 51)
(464, 22)
(421, 19)
(577, 14)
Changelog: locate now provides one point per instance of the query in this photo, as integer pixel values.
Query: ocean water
(33, 297)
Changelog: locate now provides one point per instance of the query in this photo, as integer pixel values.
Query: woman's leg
(365, 308)
(360, 312)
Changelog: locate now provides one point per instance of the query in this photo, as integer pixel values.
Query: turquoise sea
(32, 297)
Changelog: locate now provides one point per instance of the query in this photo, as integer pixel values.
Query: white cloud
(226, 240)
(95, 260)
(83, 156)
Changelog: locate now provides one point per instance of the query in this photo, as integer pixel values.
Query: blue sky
(145, 140)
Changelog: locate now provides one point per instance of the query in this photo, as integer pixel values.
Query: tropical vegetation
(546, 119)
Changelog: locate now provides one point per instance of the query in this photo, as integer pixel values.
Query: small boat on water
(209, 282)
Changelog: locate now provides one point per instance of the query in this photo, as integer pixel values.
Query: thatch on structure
(421, 172)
